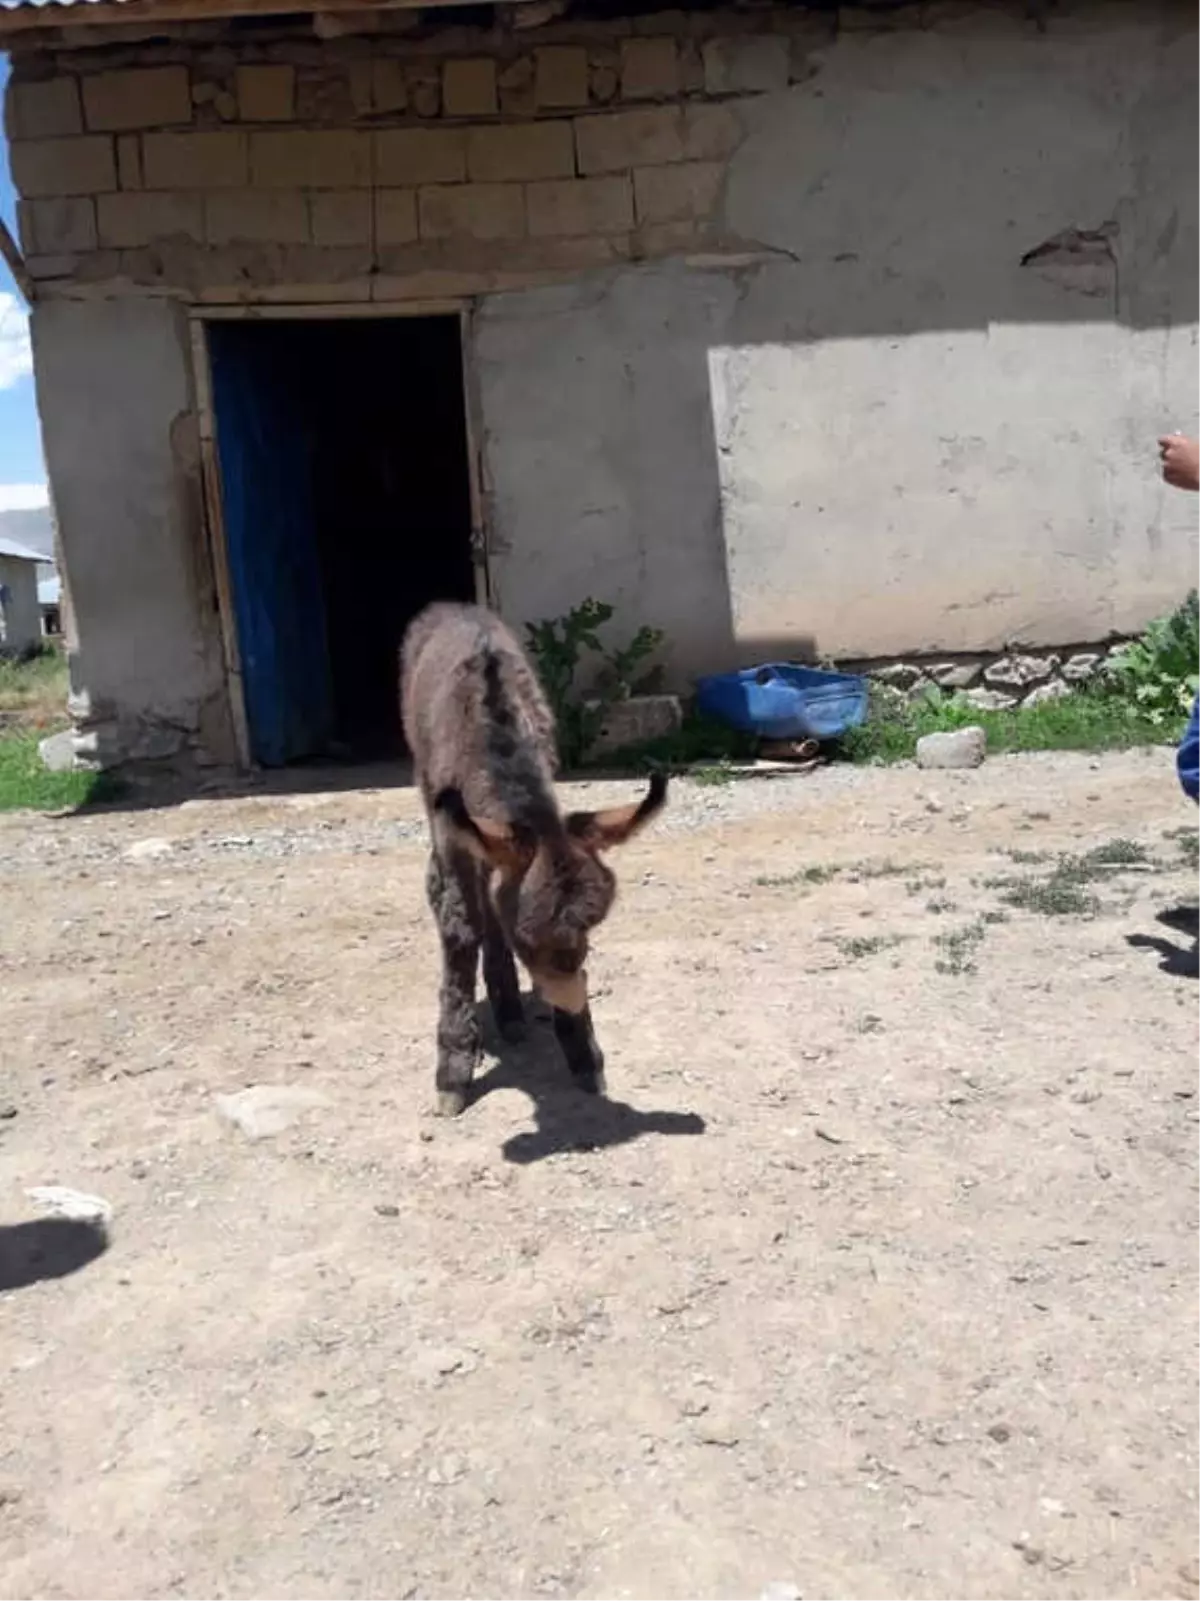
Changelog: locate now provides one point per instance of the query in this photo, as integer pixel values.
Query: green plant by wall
(1159, 672)
(559, 647)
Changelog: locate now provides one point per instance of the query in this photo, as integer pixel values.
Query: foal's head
(550, 888)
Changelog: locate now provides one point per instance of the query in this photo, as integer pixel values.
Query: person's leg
(1187, 760)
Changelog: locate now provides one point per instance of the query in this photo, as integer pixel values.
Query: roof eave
(34, 15)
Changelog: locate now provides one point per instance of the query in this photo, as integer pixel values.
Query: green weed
(858, 946)
(26, 783)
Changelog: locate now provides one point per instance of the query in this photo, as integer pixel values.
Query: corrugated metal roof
(14, 547)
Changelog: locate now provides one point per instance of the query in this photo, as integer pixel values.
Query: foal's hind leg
(501, 980)
(455, 907)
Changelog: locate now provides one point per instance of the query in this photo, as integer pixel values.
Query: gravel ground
(876, 1277)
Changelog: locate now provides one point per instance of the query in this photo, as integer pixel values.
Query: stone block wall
(388, 166)
(999, 680)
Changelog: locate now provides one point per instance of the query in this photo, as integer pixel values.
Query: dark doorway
(347, 506)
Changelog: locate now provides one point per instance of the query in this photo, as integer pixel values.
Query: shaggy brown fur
(508, 874)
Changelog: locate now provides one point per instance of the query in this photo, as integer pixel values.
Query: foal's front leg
(577, 1041)
(501, 980)
(451, 895)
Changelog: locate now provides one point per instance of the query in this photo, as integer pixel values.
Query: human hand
(1180, 461)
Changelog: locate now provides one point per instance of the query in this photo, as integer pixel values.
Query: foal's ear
(600, 831)
(490, 843)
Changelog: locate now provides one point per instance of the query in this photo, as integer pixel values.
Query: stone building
(20, 617)
(784, 328)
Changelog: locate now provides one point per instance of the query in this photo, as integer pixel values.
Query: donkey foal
(509, 875)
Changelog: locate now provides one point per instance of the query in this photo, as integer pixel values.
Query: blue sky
(20, 440)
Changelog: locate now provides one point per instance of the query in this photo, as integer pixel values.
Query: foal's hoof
(592, 1083)
(449, 1103)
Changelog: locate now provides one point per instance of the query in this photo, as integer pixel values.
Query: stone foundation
(993, 682)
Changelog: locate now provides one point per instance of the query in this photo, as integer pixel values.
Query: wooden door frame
(213, 508)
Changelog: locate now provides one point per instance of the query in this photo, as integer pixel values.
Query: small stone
(149, 850)
(1054, 690)
(266, 1109)
(899, 675)
(780, 1590)
(989, 700)
(7, 1111)
(1000, 1432)
(387, 1209)
(716, 1428)
(954, 675)
(57, 752)
(604, 82)
(427, 98)
(448, 1470)
(637, 721)
(1083, 665)
(72, 1204)
(443, 1361)
(1020, 670)
(959, 747)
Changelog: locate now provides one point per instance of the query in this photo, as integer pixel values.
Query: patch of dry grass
(33, 694)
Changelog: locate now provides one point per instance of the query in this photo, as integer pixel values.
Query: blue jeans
(1187, 761)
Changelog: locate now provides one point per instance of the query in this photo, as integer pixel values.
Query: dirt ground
(875, 1278)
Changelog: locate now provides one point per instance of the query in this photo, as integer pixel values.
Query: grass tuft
(26, 784)
(33, 702)
(1066, 890)
(858, 946)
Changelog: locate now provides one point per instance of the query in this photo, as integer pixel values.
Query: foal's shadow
(47, 1248)
(1175, 959)
(566, 1118)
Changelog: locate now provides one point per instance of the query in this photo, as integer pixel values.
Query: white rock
(441, 1361)
(1054, 690)
(1082, 666)
(780, 1590)
(1020, 670)
(73, 1204)
(954, 675)
(149, 850)
(266, 1109)
(58, 751)
(989, 700)
(958, 747)
(899, 675)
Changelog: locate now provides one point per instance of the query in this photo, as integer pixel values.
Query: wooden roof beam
(101, 14)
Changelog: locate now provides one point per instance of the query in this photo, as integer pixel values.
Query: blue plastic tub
(779, 701)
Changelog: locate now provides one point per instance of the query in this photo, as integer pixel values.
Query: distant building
(20, 614)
